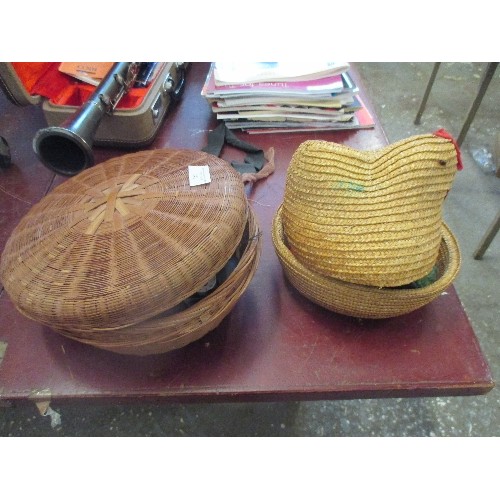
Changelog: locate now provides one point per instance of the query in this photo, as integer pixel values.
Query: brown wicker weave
(110, 250)
(181, 326)
(361, 300)
(369, 217)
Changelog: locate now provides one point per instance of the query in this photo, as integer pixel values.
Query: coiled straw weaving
(361, 300)
(369, 217)
(110, 256)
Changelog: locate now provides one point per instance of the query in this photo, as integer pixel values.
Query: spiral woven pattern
(174, 329)
(364, 301)
(368, 217)
(124, 241)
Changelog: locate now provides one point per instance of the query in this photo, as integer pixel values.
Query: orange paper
(90, 72)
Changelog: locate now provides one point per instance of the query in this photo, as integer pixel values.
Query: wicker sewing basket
(361, 300)
(369, 217)
(113, 256)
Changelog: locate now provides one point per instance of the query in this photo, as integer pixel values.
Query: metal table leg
(427, 92)
(488, 238)
(490, 71)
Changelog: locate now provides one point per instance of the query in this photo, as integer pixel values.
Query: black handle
(181, 84)
(5, 158)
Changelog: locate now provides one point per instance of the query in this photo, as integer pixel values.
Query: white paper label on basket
(198, 175)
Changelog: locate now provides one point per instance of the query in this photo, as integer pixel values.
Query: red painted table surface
(274, 345)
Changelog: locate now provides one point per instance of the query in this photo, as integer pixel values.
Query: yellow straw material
(361, 300)
(368, 217)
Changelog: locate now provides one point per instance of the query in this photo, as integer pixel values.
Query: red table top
(274, 345)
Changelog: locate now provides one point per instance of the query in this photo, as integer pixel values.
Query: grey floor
(396, 90)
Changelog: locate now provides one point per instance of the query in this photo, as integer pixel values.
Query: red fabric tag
(446, 135)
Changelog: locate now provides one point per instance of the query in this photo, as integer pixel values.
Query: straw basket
(113, 256)
(360, 300)
(368, 217)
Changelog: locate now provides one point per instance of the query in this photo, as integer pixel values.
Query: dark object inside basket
(5, 158)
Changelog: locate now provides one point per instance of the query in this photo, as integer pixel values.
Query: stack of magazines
(275, 97)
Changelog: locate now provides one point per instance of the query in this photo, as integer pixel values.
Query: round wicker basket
(183, 324)
(111, 255)
(369, 217)
(361, 300)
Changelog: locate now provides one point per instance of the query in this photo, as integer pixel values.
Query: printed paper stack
(285, 97)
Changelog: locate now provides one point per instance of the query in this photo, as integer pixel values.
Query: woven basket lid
(176, 328)
(369, 217)
(124, 241)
